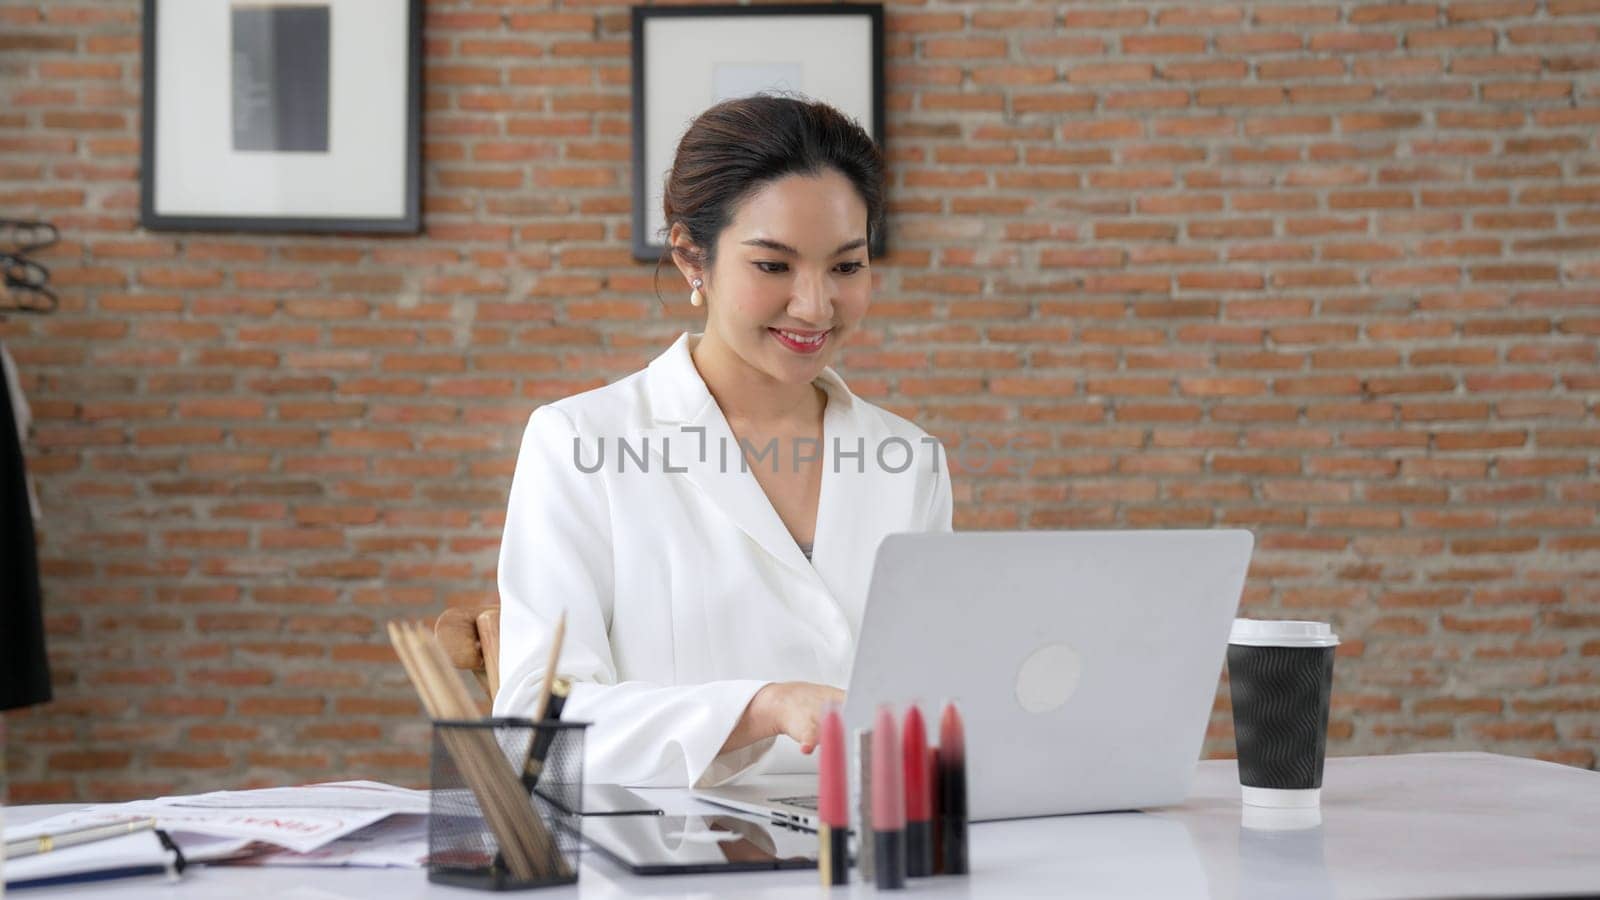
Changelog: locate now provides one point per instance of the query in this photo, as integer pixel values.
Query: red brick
(1393, 12)
(281, 706)
(1563, 33)
(963, 48)
(89, 760)
(1102, 73)
(1239, 96)
(1475, 10)
(1001, 19)
(1352, 41)
(1104, 18)
(1163, 44)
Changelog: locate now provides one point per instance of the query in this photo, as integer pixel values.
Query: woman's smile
(805, 342)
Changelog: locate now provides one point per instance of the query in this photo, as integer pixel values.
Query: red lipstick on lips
(833, 829)
(888, 804)
(919, 790)
(802, 347)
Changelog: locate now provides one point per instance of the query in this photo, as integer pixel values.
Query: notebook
(141, 853)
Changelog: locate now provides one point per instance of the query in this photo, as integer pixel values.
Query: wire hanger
(39, 301)
(25, 235)
(24, 283)
(23, 286)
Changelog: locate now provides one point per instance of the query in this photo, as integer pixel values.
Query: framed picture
(282, 115)
(687, 59)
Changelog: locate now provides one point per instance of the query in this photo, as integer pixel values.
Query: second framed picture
(687, 59)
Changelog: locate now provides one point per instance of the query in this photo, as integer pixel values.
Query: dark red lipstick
(919, 799)
(953, 791)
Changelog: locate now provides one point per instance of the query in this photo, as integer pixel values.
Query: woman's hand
(793, 708)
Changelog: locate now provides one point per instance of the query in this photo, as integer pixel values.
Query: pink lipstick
(888, 804)
(833, 813)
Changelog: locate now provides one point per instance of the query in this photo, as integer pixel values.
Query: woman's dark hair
(739, 146)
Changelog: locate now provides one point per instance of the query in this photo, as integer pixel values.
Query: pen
(546, 708)
(543, 737)
(44, 843)
(541, 706)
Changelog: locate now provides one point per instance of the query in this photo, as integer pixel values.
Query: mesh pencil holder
(496, 822)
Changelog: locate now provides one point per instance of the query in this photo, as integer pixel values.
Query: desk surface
(1413, 826)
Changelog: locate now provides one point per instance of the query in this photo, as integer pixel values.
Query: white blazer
(685, 592)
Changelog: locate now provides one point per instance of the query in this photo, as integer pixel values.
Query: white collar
(679, 394)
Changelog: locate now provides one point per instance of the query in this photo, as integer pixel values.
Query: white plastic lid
(1282, 633)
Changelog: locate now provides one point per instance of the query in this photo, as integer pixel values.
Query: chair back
(471, 639)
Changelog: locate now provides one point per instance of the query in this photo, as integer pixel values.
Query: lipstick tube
(919, 790)
(864, 861)
(833, 803)
(953, 791)
(938, 814)
(888, 804)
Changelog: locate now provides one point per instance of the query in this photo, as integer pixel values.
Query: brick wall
(1328, 271)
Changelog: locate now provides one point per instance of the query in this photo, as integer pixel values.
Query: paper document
(340, 795)
(297, 829)
(302, 819)
(397, 842)
(203, 848)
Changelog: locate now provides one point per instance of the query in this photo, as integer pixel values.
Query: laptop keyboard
(802, 802)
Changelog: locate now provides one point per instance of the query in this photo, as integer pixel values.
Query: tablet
(604, 800)
(668, 845)
(615, 800)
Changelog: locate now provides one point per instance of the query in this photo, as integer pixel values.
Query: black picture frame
(409, 221)
(645, 247)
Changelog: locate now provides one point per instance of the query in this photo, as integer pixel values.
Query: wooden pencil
(466, 753)
(527, 846)
(494, 767)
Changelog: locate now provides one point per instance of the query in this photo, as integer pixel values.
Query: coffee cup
(1280, 676)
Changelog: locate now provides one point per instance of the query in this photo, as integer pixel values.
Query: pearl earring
(695, 298)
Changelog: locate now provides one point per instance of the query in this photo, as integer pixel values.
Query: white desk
(1422, 825)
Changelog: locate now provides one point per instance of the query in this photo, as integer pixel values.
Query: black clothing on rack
(24, 671)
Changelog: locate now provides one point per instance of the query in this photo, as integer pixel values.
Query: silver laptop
(1084, 663)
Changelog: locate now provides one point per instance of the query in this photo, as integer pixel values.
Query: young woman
(709, 523)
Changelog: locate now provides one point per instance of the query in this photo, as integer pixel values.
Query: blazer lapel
(689, 435)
